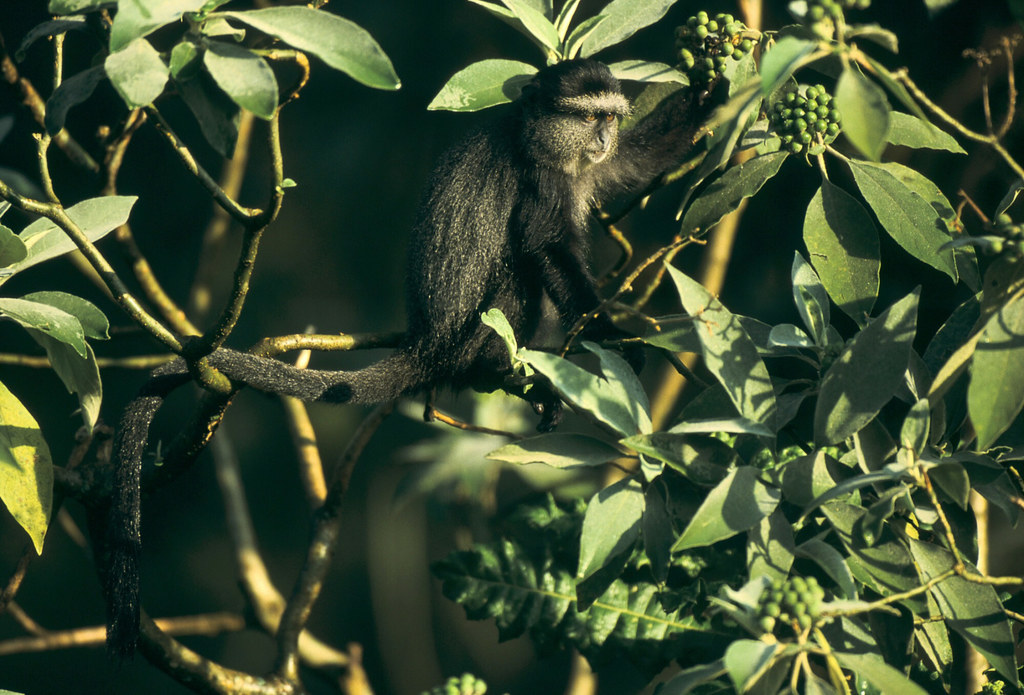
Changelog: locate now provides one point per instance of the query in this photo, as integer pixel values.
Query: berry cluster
(705, 45)
(817, 10)
(1010, 237)
(803, 119)
(466, 684)
(795, 602)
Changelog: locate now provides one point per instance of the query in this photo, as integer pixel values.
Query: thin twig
(326, 529)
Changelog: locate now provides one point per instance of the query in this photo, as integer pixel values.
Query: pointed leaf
(883, 677)
(339, 42)
(810, 298)
(81, 375)
(48, 320)
(747, 660)
(728, 352)
(137, 73)
(830, 560)
(843, 246)
(970, 608)
(611, 525)
(646, 71)
(770, 548)
(704, 460)
(94, 323)
(136, 18)
(244, 76)
(586, 391)
(536, 24)
(624, 383)
(483, 84)
(557, 450)
(623, 19)
(867, 373)
(910, 131)
(96, 217)
(996, 391)
(727, 192)
(574, 43)
(865, 112)
(782, 60)
(736, 504)
(26, 469)
(12, 248)
(71, 92)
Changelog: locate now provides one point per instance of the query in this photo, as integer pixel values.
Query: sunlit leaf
(735, 505)
(865, 112)
(996, 392)
(611, 525)
(483, 84)
(26, 469)
(623, 18)
(337, 41)
(137, 73)
(244, 76)
(558, 450)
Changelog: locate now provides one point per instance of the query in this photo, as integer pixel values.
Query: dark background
(335, 260)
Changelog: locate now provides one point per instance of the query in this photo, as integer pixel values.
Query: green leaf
(137, 73)
(483, 84)
(183, 58)
(71, 92)
(996, 391)
(217, 115)
(704, 460)
(574, 43)
(244, 76)
(26, 469)
(136, 18)
(728, 352)
(910, 131)
(586, 391)
(49, 320)
(94, 323)
(623, 18)
(883, 677)
(646, 71)
(748, 660)
(340, 43)
(908, 218)
(535, 23)
(865, 112)
(770, 547)
(735, 505)
(557, 450)
(81, 375)
(914, 433)
(886, 567)
(830, 560)
(874, 33)
(782, 60)
(12, 248)
(625, 384)
(75, 6)
(564, 19)
(96, 217)
(810, 298)
(843, 247)
(970, 608)
(611, 525)
(687, 680)
(807, 478)
(54, 27)
(496, 321)
(727, 192)
(867, 373)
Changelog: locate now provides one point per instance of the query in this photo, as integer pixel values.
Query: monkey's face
(603, 136)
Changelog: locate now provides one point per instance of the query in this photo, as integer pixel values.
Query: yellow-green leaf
(26, 470)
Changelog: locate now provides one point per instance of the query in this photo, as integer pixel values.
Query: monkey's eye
(590, 117)
(609, 117)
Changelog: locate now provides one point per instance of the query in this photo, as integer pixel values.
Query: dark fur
(503, 223)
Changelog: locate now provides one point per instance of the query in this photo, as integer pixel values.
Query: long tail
(394, 376)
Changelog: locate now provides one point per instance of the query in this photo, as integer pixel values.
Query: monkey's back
(460, 262)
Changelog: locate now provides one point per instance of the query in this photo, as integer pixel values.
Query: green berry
(804, 621)
(799, 124)
(811, 117)
(816, 13)
(805, 138)
(702, 18)
(832, 130)
(725, 19)
(732, 28)
(726, 49)
(1004, 219)
(834, 115)
(820, 126)
(795, 147)
(746, 45)
(712, 26)
(701, 32)
(767, 623)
